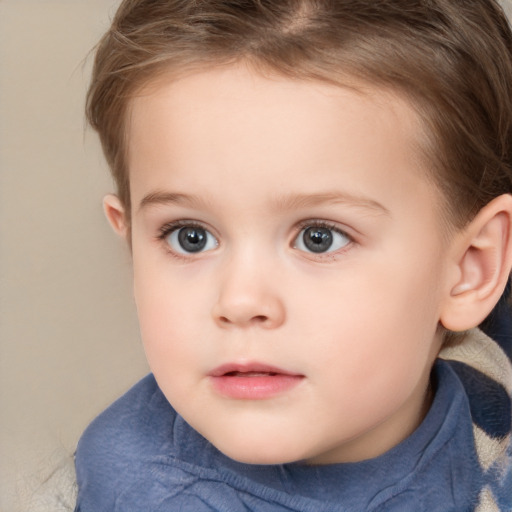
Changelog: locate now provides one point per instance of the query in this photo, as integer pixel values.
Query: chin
(255, 440)
(262, 454)
(259, 458)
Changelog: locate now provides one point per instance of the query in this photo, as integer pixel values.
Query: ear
(115, 214)
(481, 266)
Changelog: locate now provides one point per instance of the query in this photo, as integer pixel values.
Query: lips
(252, 381)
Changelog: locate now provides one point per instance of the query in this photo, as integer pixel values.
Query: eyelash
(322, 224)
(170, 227)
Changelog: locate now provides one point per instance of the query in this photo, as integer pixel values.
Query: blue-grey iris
(192, 239)
(317, 239)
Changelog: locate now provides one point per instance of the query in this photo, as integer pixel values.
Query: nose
(249, 295)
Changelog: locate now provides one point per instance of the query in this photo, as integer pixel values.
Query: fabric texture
(140, 455)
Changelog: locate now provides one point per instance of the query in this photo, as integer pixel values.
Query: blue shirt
(140, 455)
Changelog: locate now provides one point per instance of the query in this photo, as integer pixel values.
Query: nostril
(255, 319)
(247, 311)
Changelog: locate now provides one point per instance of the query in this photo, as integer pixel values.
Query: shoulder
(130, 421)
(115, 446)
(485, 370)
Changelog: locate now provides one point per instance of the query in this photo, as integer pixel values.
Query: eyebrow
(295, 201)
(156, 198)
(281, 203)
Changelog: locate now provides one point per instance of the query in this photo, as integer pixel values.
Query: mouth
(252, 381)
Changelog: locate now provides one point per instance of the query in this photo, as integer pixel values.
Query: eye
(321, 239)
(190, 239)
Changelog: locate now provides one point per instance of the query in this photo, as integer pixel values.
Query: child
(317, 196)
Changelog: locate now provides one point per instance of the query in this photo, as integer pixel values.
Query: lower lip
(254, 387)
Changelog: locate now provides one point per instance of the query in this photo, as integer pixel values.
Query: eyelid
(323, 224)
(168, 227)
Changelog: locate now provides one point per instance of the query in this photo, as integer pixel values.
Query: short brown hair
(452, 59)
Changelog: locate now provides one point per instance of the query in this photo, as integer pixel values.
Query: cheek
(365, 318)
(170, 317)
(369, 352)
(166, 295)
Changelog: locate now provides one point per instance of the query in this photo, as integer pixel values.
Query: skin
(254, 161)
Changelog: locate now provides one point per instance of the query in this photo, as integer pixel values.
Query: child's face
(289, 264)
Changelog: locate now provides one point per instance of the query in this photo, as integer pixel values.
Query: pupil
(317, 239)
(192, 239)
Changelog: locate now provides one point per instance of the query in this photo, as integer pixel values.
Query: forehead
(233, 124)
(227, 89)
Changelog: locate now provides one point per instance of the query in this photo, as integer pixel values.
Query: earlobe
(483, 266)
(115, 214)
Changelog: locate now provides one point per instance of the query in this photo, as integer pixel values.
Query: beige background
(68, 336)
